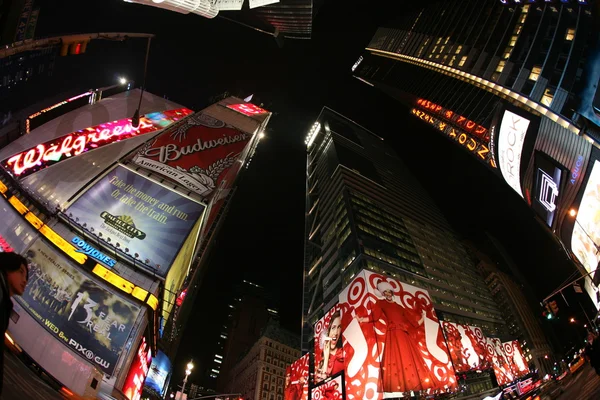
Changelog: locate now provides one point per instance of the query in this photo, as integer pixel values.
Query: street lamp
(188, 371)
(572, 320)
(122, 80)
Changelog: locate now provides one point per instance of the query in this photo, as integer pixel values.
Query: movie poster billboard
(500, 365)
(515, 357)
(329, 352)
(134, 383)
(392, 339)
(142, 216)
(159, 373)
(296, 379)
(196, 154)
(467, 347)
(332, 389)
(90, 319)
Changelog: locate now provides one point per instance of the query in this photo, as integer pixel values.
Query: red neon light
(248, 109)
(73, 144)
(78, 48)
(137, 372)
(469, 125)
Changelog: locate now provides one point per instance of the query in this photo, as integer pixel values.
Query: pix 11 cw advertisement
(393, 341)
(90, 319)
(139, 214)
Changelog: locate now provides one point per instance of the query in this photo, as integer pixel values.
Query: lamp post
(188, 371)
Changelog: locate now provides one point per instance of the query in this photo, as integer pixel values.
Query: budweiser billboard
(197, 154)
(393, 343)
(467, 347)
(296, 379)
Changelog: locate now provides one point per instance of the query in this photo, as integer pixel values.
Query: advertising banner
(137, 372)
(585, 241)
(496, 356)
(159, 373)
(196, 154)
(393, 342)
(296, 379)
(511, 138)
(329, 352)
(90, 319)
(146, 218)
(514, 355)
(467, 347)
(331, 390)
(547, 188)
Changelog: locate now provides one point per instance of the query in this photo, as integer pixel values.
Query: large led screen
(393, 342)
(500, 365)
(329, 353)
(296, 379)
(143, 216)
(515, 357)
(87, 317)
(586, 231)
(159, 373)
(134, 382)
(56, 150)
(197, 153)
(511, 138)
(332, 389)
(548, 179)
(467, 347)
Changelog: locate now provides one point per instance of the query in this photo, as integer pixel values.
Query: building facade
(364, 210)
(515, 85)
(260, 373)
(85, 195)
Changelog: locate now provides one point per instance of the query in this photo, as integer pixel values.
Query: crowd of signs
(383, 339)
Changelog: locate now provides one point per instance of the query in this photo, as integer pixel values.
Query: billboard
(500, 365)
(548, 178)
(134, 383)
(296, 379)
(332, 389)
(159, 373)
(247, 109)
(90, 319)
(511, 138)
(467, 347)
(56, 150)
(515, 357)
(585, 240)
(196, 154)
(140, 215)
(392, 340)
(329, 353)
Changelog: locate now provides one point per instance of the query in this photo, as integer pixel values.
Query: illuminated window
(442, 49)
(463, 60)
(458, 49)
(518, 29)
(570, 34)
(434, 49)
(447, 39)
(547, 97)
(513, 40)
(438, 41)
(500, 66)
(506, 55)
(451, 63)
(535, 73)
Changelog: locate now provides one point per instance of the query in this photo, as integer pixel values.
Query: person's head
(14, 268)
(287, 379)
(334, 331)
(386, 290)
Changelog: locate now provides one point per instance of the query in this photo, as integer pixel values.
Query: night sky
(193, 59)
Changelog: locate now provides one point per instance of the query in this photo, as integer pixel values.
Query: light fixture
(122, 80)
(572, 212)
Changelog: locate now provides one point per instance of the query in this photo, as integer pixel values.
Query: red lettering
(470, 125)
(66, 145)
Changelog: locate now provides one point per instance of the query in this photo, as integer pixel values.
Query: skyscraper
(515, 85)
(365, 210)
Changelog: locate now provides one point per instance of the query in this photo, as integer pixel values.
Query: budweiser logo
(172, 152)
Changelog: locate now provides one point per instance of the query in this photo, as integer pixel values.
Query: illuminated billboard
(548, 178)
(139, 215)
(329, 353)
(516, 359)
(247, 109)
(196, 154)
(296, 379)
(159, 373)
(500, 365)
(393, 341)
(134, 383)
(56, 150)
(467, 347)
(88, 318)
(332, 389)
(511, 138)
(585, 241)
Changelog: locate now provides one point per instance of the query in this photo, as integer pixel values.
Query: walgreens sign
(513, 130)
(49, 153)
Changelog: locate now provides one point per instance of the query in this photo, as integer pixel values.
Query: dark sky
(193, 59)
